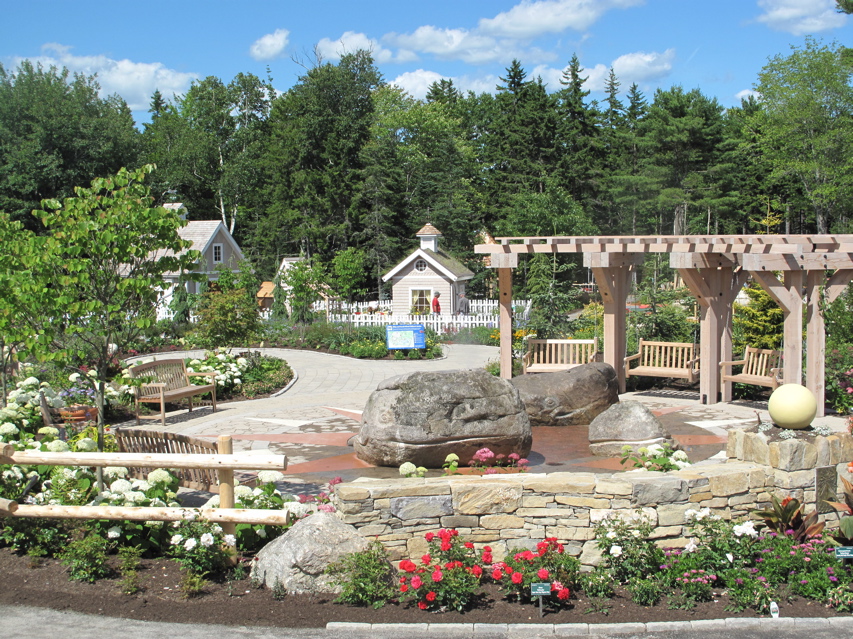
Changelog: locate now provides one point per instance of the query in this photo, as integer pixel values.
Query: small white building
(427, 271)
(217, 246)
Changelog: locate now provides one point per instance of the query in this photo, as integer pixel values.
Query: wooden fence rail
(223, 463)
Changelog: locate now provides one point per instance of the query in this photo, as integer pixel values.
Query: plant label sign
(540, 590)
(398, 336)
(844, 552)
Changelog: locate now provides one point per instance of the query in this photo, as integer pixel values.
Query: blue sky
(718, 46)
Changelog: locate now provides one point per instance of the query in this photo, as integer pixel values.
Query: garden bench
(551, 355)
(760, 367)
(154, 441)
(167, 380)
(664, 359)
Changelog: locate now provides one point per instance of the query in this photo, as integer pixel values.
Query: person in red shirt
(436, 307)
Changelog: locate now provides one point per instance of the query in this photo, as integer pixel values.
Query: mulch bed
(238, 603)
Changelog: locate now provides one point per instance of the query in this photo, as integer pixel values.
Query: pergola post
(816, 328)
(788, 295)
(505, 323)
(612, 272)
(712, 279)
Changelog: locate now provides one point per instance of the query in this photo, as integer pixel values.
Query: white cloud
(550, 76)
(451, 44)
(417, 83)
(133, 81)
(642, 66)
(270, 46)
(800, 17)
(529, 18)
(350, 42)
(740, 95)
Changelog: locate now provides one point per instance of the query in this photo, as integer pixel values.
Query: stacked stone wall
(518, 510)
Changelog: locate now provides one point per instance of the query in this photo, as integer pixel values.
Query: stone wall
(518, 510)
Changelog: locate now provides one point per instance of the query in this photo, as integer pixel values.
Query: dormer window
(420, 266)
(217, 254)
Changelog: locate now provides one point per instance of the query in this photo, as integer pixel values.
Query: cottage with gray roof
(427, 271)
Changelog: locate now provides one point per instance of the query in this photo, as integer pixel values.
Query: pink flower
(429, 536)
(437, 576)
(491, 471)
(416, 582)
(523, 462)
(426, 559)
(542, 574)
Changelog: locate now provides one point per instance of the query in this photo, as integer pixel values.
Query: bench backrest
(665, 354)
(759, 361)
(153, 441)
(561, 351)
(171, 372)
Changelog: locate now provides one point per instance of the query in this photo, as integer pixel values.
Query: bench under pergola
(814, 269)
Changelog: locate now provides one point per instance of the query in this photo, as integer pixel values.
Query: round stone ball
(792, 406)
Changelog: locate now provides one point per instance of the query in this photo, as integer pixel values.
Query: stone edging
(582, 629)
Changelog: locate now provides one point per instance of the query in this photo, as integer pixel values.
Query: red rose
(468, 544)
(542, 573)
(437, 576)
(445, 545)
(517, 578)
(563, 594)
(422, 605)
(487, 557)
(430, 596)
(476, 571)
(429, 536)
(408, 565)
(404, 588)
(426, 559)
(497, 575)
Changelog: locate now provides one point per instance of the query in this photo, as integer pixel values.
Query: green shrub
(645, 591)
(366, 578)
(86, 558)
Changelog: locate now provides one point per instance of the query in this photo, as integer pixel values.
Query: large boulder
(568, 398)
(298, 559)
(423, 417)
(626, 423)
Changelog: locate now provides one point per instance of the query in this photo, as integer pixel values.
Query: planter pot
(79, 413)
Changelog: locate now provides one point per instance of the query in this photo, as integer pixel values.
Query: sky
(717, 46)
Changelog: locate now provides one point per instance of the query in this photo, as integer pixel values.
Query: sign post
(540, 590)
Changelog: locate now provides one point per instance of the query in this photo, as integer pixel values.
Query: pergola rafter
(715, 268)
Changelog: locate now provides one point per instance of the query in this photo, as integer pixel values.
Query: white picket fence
(439, 323)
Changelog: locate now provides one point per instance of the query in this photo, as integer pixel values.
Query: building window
(217, 254)
(420, 266)
(421, 299)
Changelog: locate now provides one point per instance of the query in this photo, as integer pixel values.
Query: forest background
(344, 162)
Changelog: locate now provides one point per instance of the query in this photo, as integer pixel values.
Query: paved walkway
(299, 423)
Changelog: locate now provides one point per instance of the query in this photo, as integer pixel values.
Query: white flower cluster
(746, 528)
(692, 515)
(229, 370)
(133, 492)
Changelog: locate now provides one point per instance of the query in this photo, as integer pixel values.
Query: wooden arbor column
(612, 272)
(504, 263)
(788, 294)
(816, 329)
(715, 283)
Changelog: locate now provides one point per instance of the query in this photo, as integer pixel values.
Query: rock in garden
(423, 417)
(626, 423)
(568, 398)
(299, 558)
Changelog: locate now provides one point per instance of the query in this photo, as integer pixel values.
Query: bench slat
(551, 355)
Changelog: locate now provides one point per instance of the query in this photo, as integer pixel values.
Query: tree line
(344, 161)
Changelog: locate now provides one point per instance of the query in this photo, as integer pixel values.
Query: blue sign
(844, 552)
(540, 590)
(398, 336)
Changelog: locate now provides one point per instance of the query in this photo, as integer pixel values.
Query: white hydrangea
(86, 445)
(120, 486)
(134, 496)
(141, 485)
(261, 532)
(242, 362)
(270, 476)
(114, 532)
(115, 472)
(73, 377)
(57, 446)
(159, 476)
(679, 455)
(298, 509)
(408, 468)
(48, 431)
(213, 502)
(8, 429)
(242, 491)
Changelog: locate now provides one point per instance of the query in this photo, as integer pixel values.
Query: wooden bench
(551, 355)
(153, 441)
(167, 380)
(761, 367)
(664, 359)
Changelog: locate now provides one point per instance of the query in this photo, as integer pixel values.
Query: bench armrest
(739, 362)
(776, 371)
(632, 358)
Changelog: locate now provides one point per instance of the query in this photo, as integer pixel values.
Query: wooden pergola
(814, 269)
